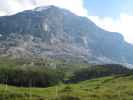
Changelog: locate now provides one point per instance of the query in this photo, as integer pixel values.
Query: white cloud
(124, 25)
(2, 13)
(76, 6)
(14, 6)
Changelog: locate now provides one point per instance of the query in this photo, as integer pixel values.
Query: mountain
(59, 34)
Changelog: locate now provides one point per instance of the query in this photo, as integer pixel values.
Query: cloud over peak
(14, 6)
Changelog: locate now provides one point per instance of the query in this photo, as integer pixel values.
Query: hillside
(59, 34)
(108, 88)
(38, 79)
(47, 72)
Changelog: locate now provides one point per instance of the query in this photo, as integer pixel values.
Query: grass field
(107, 88)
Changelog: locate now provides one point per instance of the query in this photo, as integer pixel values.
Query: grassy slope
(108, 88)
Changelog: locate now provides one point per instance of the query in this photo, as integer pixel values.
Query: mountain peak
(43, 8)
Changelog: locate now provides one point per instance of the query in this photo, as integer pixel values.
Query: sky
(111, 15)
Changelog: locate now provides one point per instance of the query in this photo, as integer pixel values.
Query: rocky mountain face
(59, 34)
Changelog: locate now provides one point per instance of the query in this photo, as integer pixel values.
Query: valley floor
(108, 88)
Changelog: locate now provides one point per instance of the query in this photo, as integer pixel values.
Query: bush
(67, 89)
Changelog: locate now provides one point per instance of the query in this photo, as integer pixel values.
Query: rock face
(57, 33)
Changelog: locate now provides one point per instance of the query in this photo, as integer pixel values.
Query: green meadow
(107, 88)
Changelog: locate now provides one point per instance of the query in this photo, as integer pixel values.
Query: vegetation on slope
(45, 72)
(25, 73)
